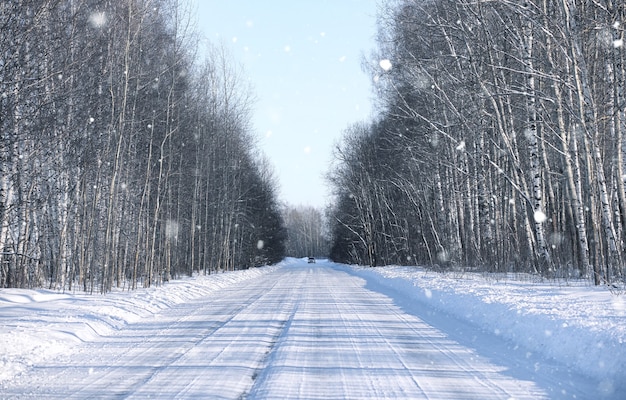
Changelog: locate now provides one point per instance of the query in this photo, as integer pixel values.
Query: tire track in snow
(458, 363)
(261, 372)
(245, 344)
(346, 341)
(369, 326)
(196, 342)
(129, 355)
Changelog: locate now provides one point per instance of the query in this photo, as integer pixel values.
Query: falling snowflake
(171, 229)
(98, 19)
(540, 217)
(385, 64)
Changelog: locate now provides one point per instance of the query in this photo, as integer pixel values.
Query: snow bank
(36, 325)
(577, 325)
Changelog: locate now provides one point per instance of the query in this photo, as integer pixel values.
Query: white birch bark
(588, 115)
(535, 157)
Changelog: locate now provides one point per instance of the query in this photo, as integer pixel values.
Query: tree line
(124, 159)
(306, 232)
(499, 142)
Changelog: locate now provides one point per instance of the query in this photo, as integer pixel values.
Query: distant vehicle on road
(311, 260)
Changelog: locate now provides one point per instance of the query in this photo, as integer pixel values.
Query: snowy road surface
(301, 332)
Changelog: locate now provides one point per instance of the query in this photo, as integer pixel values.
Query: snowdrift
(579, 326)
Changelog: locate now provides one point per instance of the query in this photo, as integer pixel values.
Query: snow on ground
(577, 325)
(36, 325)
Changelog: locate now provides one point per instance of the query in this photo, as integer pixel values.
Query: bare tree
(501, 140)
(122, 162)
(306, 231)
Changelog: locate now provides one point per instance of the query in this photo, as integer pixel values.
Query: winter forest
(125, 161)
(127, 157)
(500, 141)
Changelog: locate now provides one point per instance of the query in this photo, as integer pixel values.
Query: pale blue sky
(303, 59)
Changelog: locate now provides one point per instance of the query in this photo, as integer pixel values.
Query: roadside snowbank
(580, 326)
(36, 325)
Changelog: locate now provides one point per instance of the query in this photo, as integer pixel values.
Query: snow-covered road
(304, 331)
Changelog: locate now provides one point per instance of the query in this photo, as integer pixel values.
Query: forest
(498, 145)
(127, 156)
(126, 152)
(306, 230)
